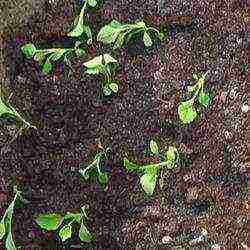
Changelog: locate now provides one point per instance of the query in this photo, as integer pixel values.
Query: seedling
(63, 224)
(81, 28)
(105, 65)
(116, 33)
(7, 110)
(186, 109)
(149, 173)
(6, 222)
(45, 57)
(94, 169)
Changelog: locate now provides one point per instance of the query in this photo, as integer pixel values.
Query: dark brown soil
(207, 192)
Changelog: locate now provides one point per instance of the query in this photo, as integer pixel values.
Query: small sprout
(186, 110)
(6, 222)
(63, 224)
(7, 110)
(116, 33)
(46, 57)
(149, 173)
(104, 64)
(81, 28)
(94, 169)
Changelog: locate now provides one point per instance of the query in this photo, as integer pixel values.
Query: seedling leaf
(78, 30)
(29, 50)
(109, 32)
(106, 90)
(148, 183)
(103, 178)
(187, 112)
(204, 98)
(47, 67)
(92, 3)
(114, 87)
(154, 147)
(84, 234)
(147, 40)
(49, 221)
(130, 166)
(9, 244)
(65, 232)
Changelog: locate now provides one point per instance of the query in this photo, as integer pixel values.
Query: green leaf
(93, 71)
(97, 61)
(10, 244)
(114, 87)
(171, 156)
(130, 165)
(148, 183)
(47, 67)
(55, 56)
(75, 216)
(154, 147)
(119, 41)
(187, 112)
(49, 221)
(147, 40)
(92, 3)
(39, 57)
(29, 50)
(2, 229)
(109, 32)
(103, 178)
(204, 98)
(84, 173)
(109, 59)
(87, 31)
(65, 232)
(106, 90)
(84, 234)
(78, 30)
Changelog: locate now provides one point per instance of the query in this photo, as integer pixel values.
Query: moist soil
(206, 193)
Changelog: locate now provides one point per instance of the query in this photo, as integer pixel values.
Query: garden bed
(202, 204)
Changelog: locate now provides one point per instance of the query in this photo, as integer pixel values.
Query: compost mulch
(208, 192)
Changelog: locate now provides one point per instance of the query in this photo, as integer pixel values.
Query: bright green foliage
(6, 222)
(6, 109)
(81, 28)
(94, 169)
(63, 224)
(186, 109)
(116, 33)
(46, 57)
(149, 173)
(105, 65)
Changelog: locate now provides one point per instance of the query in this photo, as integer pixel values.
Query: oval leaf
(47, 67)
(154, 147)
(78, 30)
(106, 90)
(65, 232)
(49, 221)
(29, 50)
(147, 40)
(84, 234)
(148, 183)
(92, 3)
(187, 112)
(10, 244)
(204, 98)
(103, 178)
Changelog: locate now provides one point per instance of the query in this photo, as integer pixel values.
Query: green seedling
(105, 65)
(94, 169)
(6, 221)
(117, 34)
(186, 110)
(63, 224)
(79, 26)
(7, 110)
(149, 173)
(46, 57)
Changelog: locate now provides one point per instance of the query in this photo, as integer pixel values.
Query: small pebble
(166, 239)
(245, 108)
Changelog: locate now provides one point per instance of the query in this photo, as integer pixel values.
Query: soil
(206, 193)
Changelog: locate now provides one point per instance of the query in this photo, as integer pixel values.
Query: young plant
(94, 169)
(7, 110)
(105, 65)
(149, 172)
(63, 224)
(186, 109)
(45, 57)
(116, 33)
(79, 26)
(6, 222)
